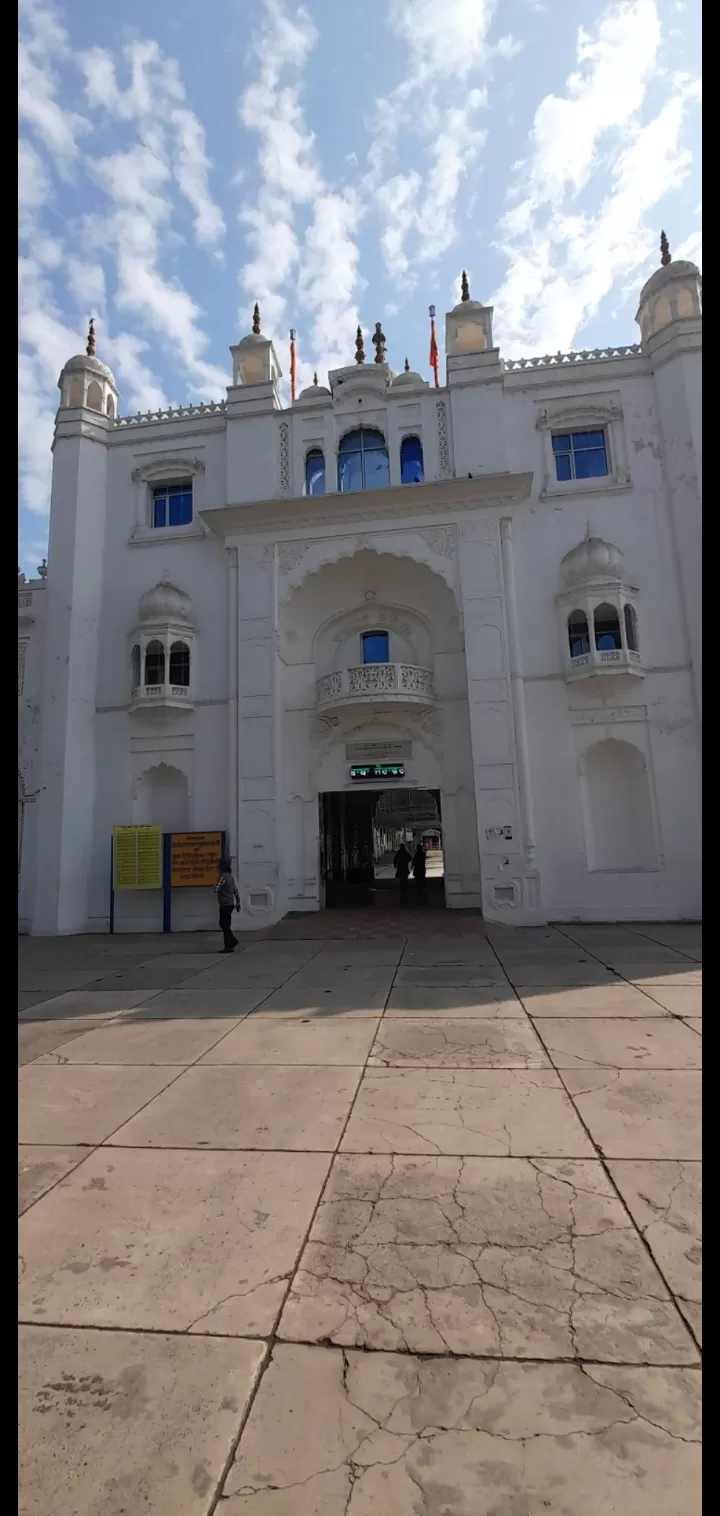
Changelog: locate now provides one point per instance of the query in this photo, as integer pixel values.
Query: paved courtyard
(388, 1214)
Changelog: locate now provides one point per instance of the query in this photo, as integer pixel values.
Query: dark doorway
(360, 831)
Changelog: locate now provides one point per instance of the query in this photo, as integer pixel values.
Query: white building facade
(495, 583)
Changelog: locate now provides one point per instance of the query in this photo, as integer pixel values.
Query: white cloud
(326, 254)
(562, 260)
(42, 43)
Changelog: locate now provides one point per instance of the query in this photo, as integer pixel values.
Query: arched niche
(162, 798)
(618, 808)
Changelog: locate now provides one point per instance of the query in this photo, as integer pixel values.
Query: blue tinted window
(580, 455)
(315, 472)
(375, 647)
(363, 461)
(578, 634)
(607, 629)
(172, 505)
(411, 461)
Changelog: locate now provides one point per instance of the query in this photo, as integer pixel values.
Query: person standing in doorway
(419, 866)
(228, 901)
(402, 871)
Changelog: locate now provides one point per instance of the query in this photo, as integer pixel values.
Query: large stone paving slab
(202, 1004)
(487, 1256)
(39, 1168)
(507, 1112)
(665, 1200)
(685, 1001)
(38, 1037)
(428, 1042)
(634, 1114)
(82, 1104)
(299, 1109)
(120, 1423)
(274, 1039)
(620, 1044)
(169, 1241)
(367, 1000)
(380, 1434)
(458, 1002)
(678, 978)
(467, 976)
(97, 1005)
(614, 998)
(136, 1041)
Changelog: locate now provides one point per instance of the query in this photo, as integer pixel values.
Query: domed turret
(314, 391)
(254, 357)
(408, 380)
(672, 294)
(468, 326)
(593, 558)
(166, 603)
(87, 383)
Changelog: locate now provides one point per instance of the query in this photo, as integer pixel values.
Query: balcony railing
(392, 682)
(611, 661)
(145, 695)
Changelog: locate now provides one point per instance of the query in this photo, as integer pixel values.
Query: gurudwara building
(475, 605)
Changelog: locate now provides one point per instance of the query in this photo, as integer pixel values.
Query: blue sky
(340, 162)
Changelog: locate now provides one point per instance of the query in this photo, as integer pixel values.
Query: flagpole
(292, 363)
(433, 347)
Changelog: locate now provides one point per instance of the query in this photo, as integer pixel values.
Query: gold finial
(90, 349)
(464, 287)
(359, 349)
(407, 367)
(315, 377)
(665, 257)
(378, 343)
(256, 320)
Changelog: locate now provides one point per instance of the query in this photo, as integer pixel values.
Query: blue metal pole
(167, 892)
(112, 884)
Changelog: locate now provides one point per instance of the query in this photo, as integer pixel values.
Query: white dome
(165, 602)
(667, 273)
(592, 559)
(467, 307)
(81, 363)
(408, 380)
(315, 391)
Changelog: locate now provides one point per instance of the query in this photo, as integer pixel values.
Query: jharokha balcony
(376, 684)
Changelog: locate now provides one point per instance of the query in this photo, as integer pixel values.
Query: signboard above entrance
(377, 771)
(194, 859)
(377, 752)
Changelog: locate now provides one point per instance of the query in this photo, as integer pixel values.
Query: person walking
(228, 900)
(419, 868)
(402, 871)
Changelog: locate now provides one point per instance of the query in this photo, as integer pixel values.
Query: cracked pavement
(374, 1218)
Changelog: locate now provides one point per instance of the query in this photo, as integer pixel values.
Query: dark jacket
(419, 863)
(402, 863)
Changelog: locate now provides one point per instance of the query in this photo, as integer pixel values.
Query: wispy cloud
(42, 44)
(283, 241)
(563, 260)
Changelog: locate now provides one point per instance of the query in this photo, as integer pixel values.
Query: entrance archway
(361, 833)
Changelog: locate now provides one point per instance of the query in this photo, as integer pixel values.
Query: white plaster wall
(31, 633)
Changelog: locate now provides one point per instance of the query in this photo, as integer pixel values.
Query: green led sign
(377, 771)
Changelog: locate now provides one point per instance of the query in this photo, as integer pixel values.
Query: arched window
(411, 461)
(607, 628)
(578, 634)
(155, 663)
(180, 664)
(363, 461)
(631, 636)
(135, 665)
(110, 407)
(94, 396)
(375, 647)
(315, 472)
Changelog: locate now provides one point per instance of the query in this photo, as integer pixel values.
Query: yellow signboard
(137, 858)
(194, 859)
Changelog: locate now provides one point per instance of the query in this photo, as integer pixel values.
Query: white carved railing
(172, 413)
(155, 692)
(618, 657)
(565, 360)
(405, 680)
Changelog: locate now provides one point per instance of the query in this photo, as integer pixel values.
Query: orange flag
(433, 347)
(292, 363)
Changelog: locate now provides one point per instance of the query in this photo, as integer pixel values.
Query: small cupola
(254, 357)
(468, 326)
(672, 297)
(408, 380)
(87, 384)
